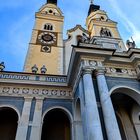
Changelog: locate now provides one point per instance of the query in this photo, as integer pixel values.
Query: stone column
(111, 124)
(37, 120)
(93, 125)
(24, 120)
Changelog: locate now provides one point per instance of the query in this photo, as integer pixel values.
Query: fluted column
(111, 124)
(93, 125)
(36, 124)
(24, 120)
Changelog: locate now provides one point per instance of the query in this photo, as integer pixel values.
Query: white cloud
(126, 21)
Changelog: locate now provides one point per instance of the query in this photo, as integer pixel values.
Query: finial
(2, 66)
(34, 69)
(43, 69)
(91, 1)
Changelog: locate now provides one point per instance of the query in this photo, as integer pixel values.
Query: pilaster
(24, 120)
(37, 120)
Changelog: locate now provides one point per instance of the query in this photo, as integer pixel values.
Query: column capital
(87, 71)
(100, 71)
(28, 98)
(39, 98)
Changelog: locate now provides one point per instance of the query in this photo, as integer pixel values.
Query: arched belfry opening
(126, 110)
(56, 126)
(8, 123)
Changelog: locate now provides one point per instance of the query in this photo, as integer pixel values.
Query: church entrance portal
(56, 126)
(8, 123)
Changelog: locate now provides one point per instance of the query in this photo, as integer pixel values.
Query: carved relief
(92, 63)
(16, 90)
(36, 92)
(125, 71)
(25, 90)
(63, 93)
(113, 70)
(89, 63)
(6, 89)
(45, 92)
(120, 71)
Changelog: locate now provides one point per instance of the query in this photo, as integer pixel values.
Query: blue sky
(17, 20)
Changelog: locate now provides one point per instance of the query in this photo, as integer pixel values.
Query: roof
(93, 8)
(77, 27)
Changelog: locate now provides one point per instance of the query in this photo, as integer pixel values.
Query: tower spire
(93, 7)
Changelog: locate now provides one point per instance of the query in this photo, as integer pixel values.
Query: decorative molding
(42, 78)
(46, 92)
(138, 71)
(91, 63)
(123, 72)
(14, 76)
(56, 79)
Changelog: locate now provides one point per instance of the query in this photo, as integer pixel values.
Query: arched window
(8, 123)
(56, 126)
(48, 27)
(105, 32)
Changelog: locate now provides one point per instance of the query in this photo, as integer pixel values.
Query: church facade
(86, 87)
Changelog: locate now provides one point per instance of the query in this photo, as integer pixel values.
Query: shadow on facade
(56, 126)
(8, 123)
(127, 113)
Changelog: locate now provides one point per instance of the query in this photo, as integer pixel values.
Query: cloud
(126, 21)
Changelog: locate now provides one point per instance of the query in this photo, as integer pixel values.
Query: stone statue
(130, 44)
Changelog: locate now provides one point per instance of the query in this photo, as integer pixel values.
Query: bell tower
(46, 45)
(103, 29)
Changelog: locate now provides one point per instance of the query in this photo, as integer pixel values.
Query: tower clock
(47, 38)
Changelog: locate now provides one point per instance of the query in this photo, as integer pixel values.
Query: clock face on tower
(47, 38)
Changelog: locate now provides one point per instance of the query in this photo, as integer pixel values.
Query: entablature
(34, 85)
(91, 56)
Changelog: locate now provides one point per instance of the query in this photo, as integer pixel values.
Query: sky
(17, 19)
